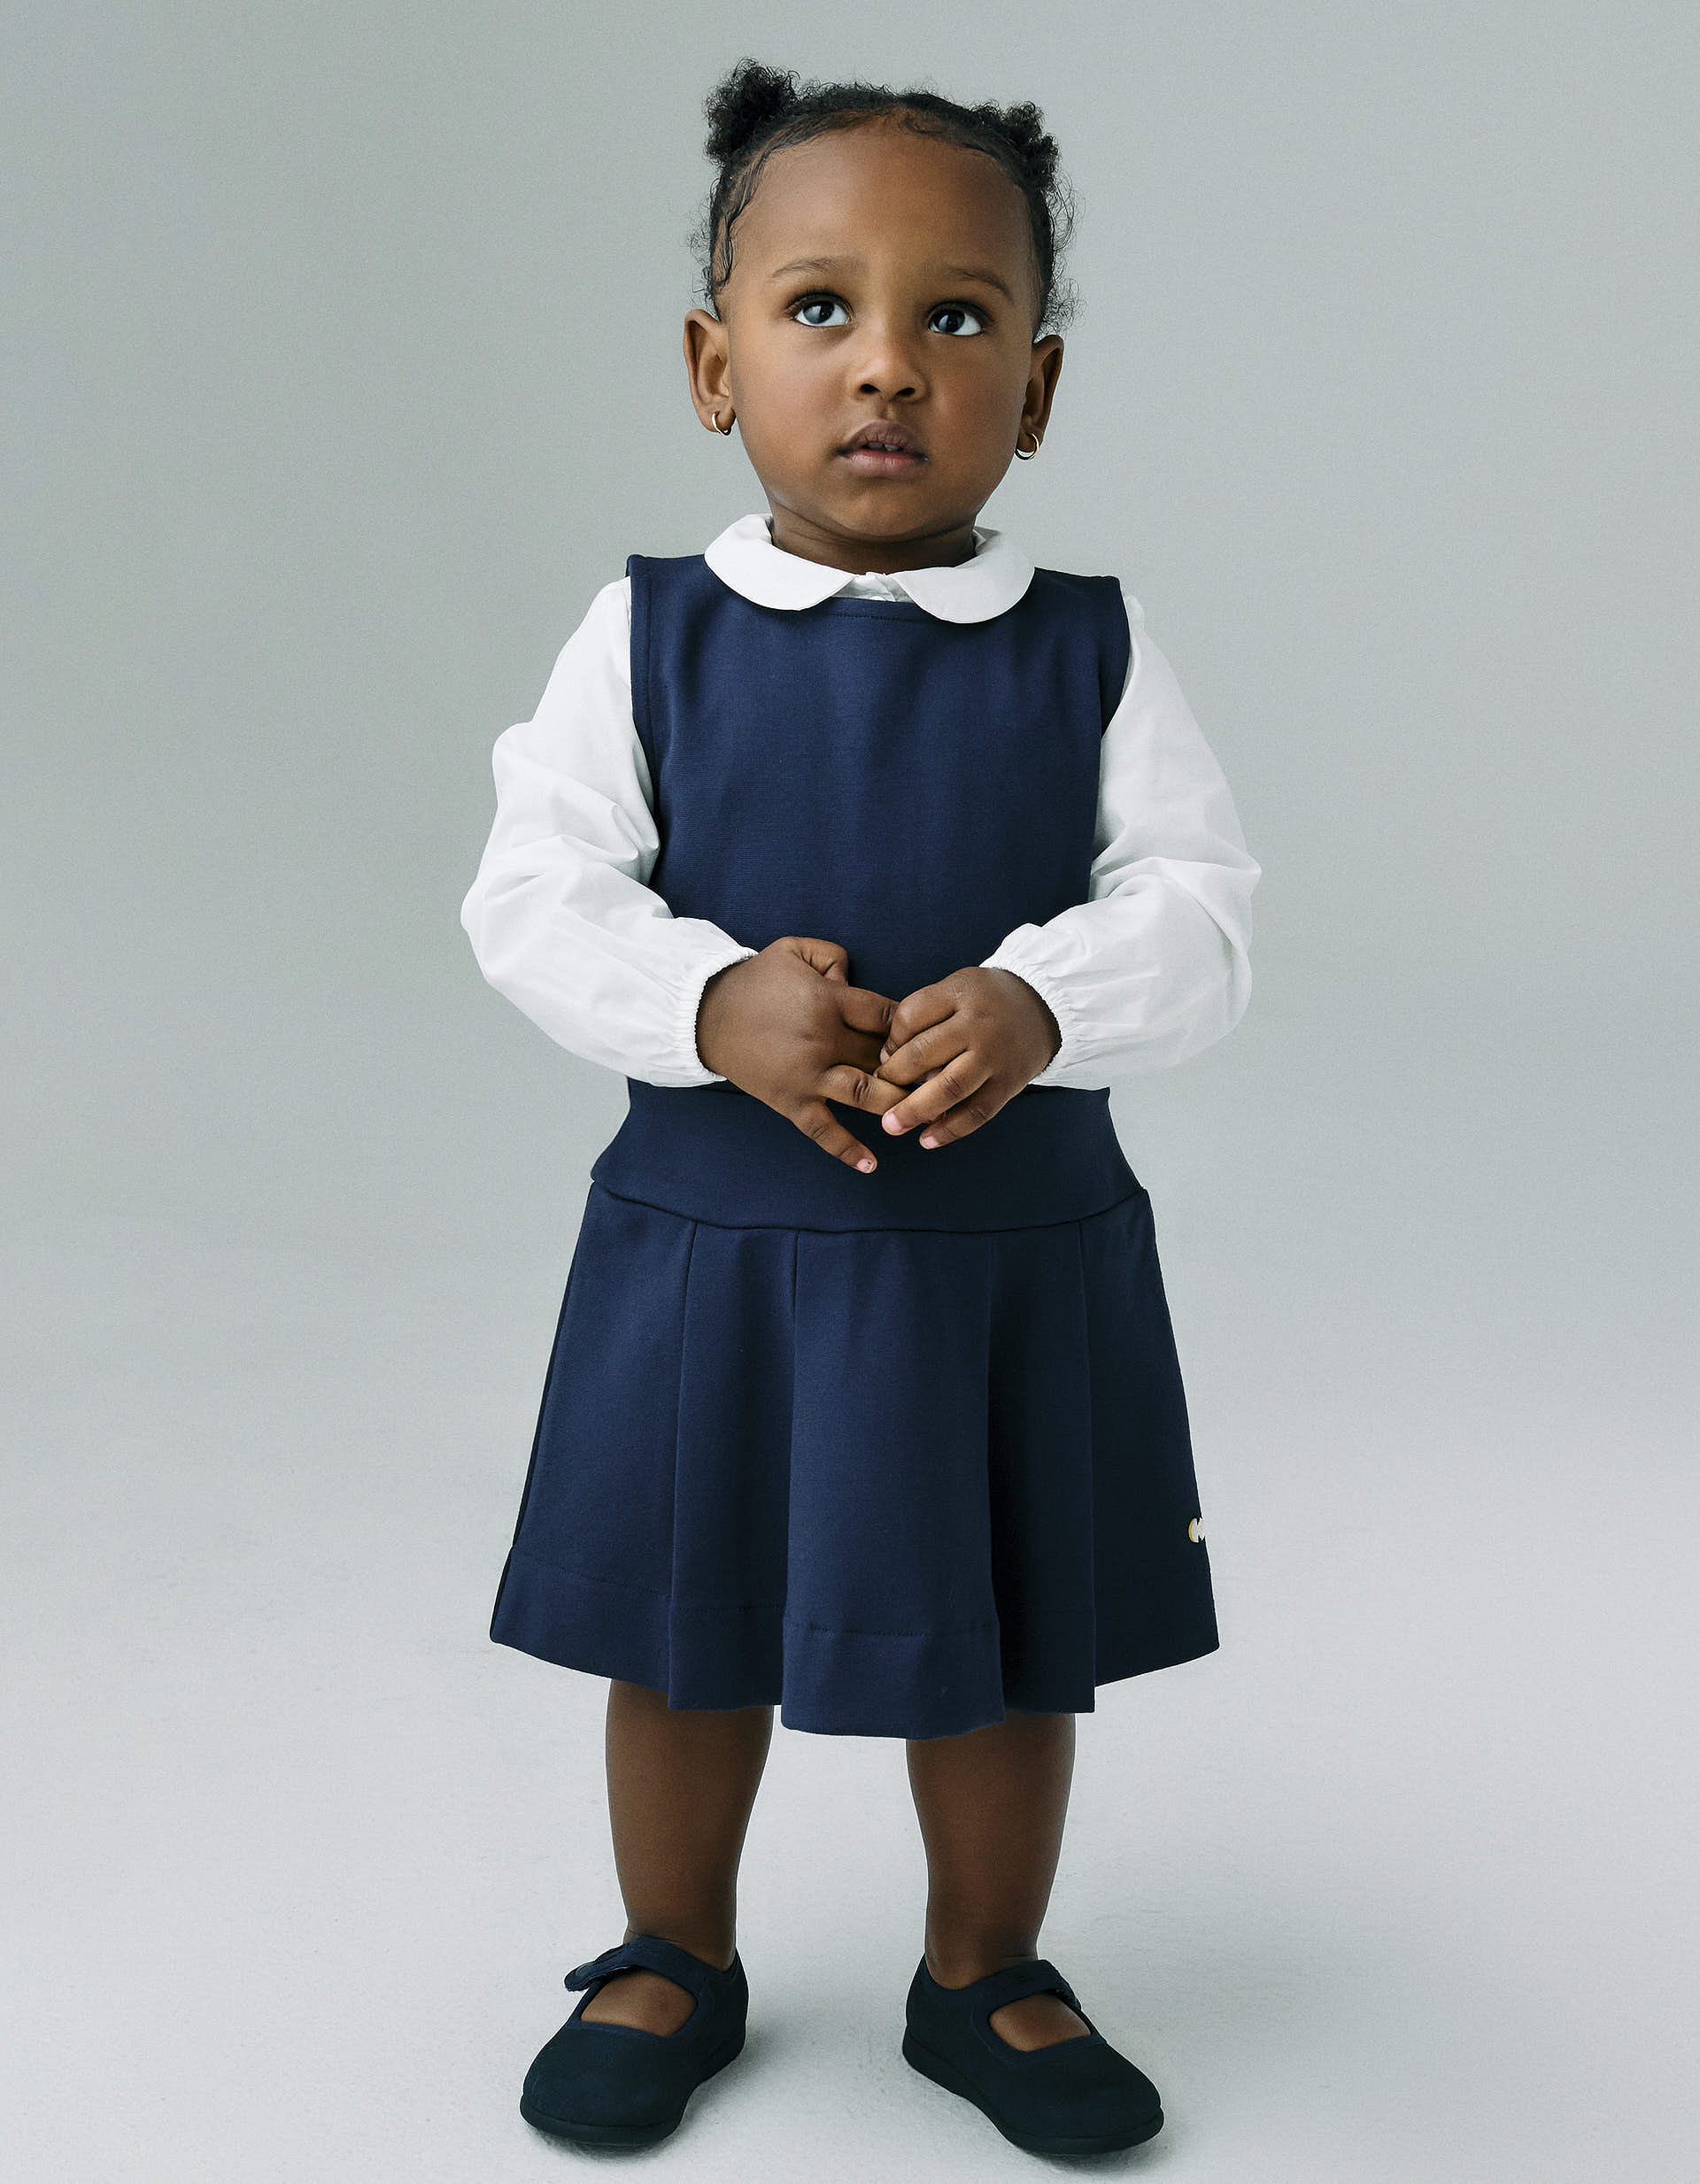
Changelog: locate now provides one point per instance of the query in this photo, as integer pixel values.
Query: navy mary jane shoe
(1075, 2097)
(617, 2085)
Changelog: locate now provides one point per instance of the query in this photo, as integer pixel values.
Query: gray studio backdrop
(342, 365)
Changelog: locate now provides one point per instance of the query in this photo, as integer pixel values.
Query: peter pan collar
(744, 558)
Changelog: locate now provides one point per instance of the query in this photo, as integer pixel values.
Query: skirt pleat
(898, 1482)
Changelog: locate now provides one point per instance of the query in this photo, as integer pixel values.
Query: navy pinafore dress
(899, 1452)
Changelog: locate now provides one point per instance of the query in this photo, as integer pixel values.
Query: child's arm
(1155, 966)
(1151, 968)
(559, 916)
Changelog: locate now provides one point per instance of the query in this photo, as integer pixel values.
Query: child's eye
(811, 309)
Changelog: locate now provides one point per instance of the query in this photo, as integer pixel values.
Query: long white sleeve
(559, 916)
(1154, 967)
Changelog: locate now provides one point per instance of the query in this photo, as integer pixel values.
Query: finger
(960, 1122)
(917, 1011)
(858, 1088)
(817, 1120)
(865, 1010)
(908, 1060)
(854, 1048)
(960, 1082)
(822, 955)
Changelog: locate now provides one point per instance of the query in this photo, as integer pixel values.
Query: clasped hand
(788, 1026)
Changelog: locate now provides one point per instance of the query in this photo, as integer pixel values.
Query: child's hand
(786, 1025)
(967, 1043)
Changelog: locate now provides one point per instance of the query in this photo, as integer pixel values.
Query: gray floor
(1399, 1885)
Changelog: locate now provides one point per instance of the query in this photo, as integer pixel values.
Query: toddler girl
(870, 855)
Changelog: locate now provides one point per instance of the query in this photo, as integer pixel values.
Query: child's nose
(889, 367)
(892, 386)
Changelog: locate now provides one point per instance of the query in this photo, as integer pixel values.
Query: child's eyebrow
(830, 265)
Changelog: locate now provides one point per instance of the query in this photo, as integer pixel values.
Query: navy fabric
(910, 788)
(897, 1453)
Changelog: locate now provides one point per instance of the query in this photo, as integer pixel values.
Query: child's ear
(707, 362)
(1045, 364)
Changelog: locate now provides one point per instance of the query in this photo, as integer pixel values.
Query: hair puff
(744, 104)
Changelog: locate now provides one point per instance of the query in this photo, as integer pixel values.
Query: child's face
(879, 276)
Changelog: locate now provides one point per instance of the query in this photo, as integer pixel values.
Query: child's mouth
(883, 462)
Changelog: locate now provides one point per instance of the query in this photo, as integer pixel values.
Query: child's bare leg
(681, 1786)
(992, 1804)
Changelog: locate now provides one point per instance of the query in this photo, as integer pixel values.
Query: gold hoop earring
(1026, 455)
(725, 429)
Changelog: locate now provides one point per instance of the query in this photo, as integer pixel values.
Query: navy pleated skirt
(898, 1481)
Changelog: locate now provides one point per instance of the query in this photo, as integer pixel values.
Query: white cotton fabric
(1152, 968)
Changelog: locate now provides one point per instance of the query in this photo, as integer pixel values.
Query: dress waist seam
(877, 1228)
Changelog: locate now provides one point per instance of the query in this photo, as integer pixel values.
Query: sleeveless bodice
(911, 787)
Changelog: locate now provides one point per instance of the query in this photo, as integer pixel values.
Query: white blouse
(1149, 970)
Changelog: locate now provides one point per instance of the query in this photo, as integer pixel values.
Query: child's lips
(883, 462)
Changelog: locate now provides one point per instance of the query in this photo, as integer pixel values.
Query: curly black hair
(754, 110)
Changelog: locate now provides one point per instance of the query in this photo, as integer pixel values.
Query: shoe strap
(1039, 1976)
(648, 1952)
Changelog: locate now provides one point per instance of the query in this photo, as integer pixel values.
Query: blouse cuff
(691, 1008)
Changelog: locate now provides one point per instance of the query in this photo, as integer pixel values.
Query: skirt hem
(713, 1656)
